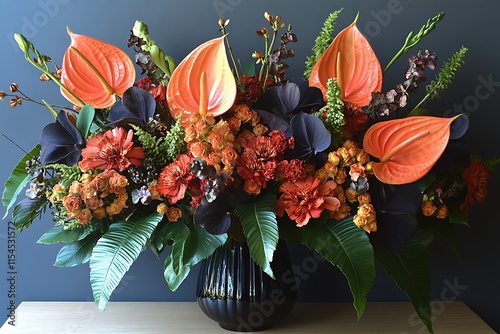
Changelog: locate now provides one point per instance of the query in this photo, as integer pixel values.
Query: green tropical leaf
(85, 120)
(409, 268)
(261, 229)
(59, 234)
(343, 244)
(78, 252)
(115, 252)
(197, 245)
(178, 232)
(26, 211)
(17, 180)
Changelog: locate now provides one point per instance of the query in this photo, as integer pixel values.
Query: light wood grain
(186, 317)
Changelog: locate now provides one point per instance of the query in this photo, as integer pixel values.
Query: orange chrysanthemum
(174, 179)
(111, 150)
(306, 199)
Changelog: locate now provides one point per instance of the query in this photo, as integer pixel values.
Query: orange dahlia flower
(306, 199)
(112, 150)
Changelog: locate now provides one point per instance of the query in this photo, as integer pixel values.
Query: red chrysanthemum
(175, 178)
(112, 150)
(476, 176)
(306, 199)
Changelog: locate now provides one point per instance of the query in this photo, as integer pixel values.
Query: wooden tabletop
(186, 317)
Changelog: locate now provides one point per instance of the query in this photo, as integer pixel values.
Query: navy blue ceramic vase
(234, 291)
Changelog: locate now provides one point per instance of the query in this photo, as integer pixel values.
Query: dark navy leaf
(310, 97)
(61, 142)
(310, 135)
(397, 208)
(459, 127)
(136, 107)
(214, 216)
(455, 156)
(275, 122)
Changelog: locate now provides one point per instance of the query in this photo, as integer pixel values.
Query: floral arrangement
(195, 153)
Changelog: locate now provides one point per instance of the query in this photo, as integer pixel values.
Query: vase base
(239, 316)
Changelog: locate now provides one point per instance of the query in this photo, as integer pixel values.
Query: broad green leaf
(115, 252)
(344, 245)
(197, 245)
(77, 253)
(261, 229)
(200, 244)
(85, 119)
(59, 234)
(409, 268)
(178, 232)
(17, 180)
(26, 211)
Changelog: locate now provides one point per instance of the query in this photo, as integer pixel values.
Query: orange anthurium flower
(407, 147)
(351, 60)
(203, 82)
(95, 71)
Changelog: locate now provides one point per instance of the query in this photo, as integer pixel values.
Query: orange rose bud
(442, 211)
(428, 209)
(174, 214)
(162, 208)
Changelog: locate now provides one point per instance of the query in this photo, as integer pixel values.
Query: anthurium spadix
(202, 83)
(351, 60)
(95, 71)
(407, 147)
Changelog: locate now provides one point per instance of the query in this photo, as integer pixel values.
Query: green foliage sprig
(162, 150)
(445, 76)
(322, 42)
(412, 40)
(332, 113)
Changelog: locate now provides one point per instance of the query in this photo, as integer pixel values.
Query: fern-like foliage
(322, 42)
(447, 74)
(332, 113)
(162, 150)
(70, 173)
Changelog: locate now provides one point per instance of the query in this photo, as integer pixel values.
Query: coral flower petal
(351, 60)
(95, 71)
(407, 147)
(184, 92)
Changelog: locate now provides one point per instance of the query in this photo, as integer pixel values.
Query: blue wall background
(178, 26)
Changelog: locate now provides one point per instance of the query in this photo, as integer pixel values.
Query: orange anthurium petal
(407, 147)
(184, 93)
(351, 60)
(95, 71)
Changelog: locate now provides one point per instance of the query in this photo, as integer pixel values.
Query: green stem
(230, 49)
(420, 103)
(399, 53)
(264, 62)
(55, 79)
(268, 53)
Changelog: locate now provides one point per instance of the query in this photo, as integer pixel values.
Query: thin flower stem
(29, 99)
(268, 53)
(13, 142)
(420, 103)
(231, 55)
(265, 61)
(55, 79)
